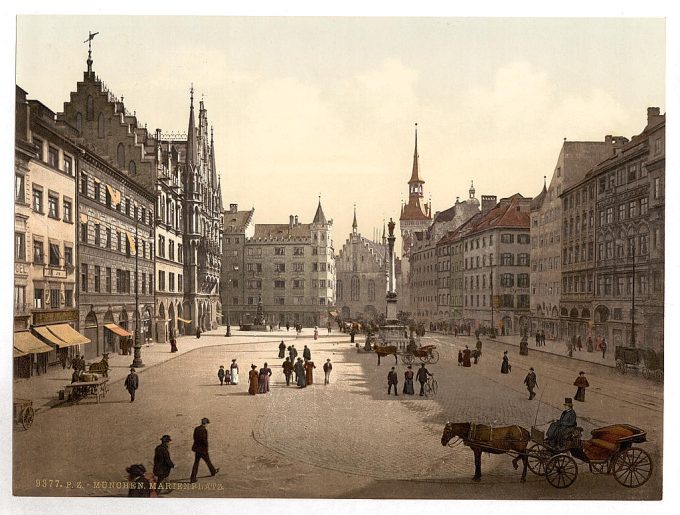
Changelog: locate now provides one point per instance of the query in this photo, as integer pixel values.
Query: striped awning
(62, 335)
(116, 329)
(25, 343)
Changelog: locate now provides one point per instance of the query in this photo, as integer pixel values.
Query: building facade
(237, 227)
(496, 263)
(575, 159)
(361, 276)
(115, 257)
(290, 268)
(616, 292)
(44, 237)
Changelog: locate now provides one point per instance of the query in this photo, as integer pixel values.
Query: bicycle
(430, 387)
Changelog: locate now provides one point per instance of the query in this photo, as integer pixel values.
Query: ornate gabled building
(180, 170)
(361, 276)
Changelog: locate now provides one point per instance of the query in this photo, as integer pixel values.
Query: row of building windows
(125, 205)
(507, 259)
(622, 176)
(630, 247)
(52, 157)
(506, 280)
(504, 301)
(281, 301)
(296, 267)
(160, 286)
(43, 298)
(122, 280)
(125, 242)
(38, 201)
(56, 258)
(161, 248)
(626, 211)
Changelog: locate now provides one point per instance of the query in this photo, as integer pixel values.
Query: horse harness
(475, 434)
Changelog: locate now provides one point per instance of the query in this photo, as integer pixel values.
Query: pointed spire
(383, 234)
(212, 158)
(319, 217)
(354, 222)
(544, 182)
(192, 144)
(472, 189)
(415, 175)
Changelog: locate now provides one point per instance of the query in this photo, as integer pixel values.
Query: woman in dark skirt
(282, 350)
(505, 366)
(581, 383)
(408, 381)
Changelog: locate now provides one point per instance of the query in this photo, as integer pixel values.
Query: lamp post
(137, 359)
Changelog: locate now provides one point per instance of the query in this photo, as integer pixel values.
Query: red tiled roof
(413, 211)
(505, 214)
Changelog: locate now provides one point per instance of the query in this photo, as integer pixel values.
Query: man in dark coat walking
(327, 367)
(307, 353)
(162, 464)
(200, 449)
(531, 383)
(421, 376)
(131, 384)
(392, 380)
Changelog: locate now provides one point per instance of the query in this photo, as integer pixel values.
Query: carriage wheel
(598, 467)
(433, 357)
(407, 359)
(537, 457)
(632, 467)
(620, 366)
(561, 471)
(27, 415)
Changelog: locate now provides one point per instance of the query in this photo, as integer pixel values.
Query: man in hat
(162, 464)
(422, 376)
(327, 367)
(559, 430)
(531, 382)
(200, 449)
(131, 384)
(392, 381)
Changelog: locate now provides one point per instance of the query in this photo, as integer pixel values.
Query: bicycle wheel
(434, 386)
(428, 389)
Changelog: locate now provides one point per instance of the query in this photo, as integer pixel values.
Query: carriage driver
(559, 430)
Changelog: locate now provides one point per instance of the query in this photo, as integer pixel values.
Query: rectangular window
(83, 278)
(322, 301)
(108, 279)
(180, 255)
(279, 284)
(68, 165)
(180, 283)
(171, 281)
(19, 188)
(279, 267)
(644, 206)
(523, 259)
(632, 209)
(279, 251)
(37, 200)
(171, 250)
(38, 252)
(83, 232)
(298, 251)
(507, 301)
(53, 157)
(19, 246)
(279, 301)
(523, 238)
(610, 215)
(161, 280)
(68, 298)
(507, 259)
(55, 255)
(298, 283)
(38, 298)
(83, 183)
(622, 211)
(644, 239)
(52, 206)
(522, 280)
(97, 235)
(632, 172)
(507, 280)
(523, 301)
(97, 278)
(68, 212)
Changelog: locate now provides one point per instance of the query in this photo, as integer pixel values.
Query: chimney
(296, 219)
(488, 203)
(233, 208)
(653, 116)
(291, 221)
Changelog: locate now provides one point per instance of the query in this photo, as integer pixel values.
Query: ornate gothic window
(355, 288)
(371, 290)
(120, 154)
(100, 126)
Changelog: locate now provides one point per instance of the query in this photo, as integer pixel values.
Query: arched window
(338, 290)
(132, 168)
(195, 224)
(355, 288)
(120, 154)
(90, 108)
(100, 126)
(371, 290)
(79, 122)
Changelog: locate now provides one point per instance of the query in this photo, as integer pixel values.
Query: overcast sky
(309, 106)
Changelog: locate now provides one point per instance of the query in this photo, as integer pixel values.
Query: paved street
(344, 440)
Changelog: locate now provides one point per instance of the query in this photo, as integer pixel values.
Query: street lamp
(137, 360)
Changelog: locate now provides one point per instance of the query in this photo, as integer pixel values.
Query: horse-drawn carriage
(645, 361)
(23, 412)
(425, 353)
(88, 385)
(609, 451)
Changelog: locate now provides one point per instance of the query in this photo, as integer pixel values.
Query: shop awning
(26, 343)
(68, 334)
(185, 321)
(117, 330)
(18, 353)
(334, 314)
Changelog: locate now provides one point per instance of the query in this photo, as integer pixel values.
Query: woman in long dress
(263, 379)
(282, 350)
(300, 372)
(252, 380)
(581, 384)
(233, 370)
(505, 366)
(309, 374)
(408, 381)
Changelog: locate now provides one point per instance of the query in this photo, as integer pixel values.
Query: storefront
(63, 338)
(112, 331)
(30, 355)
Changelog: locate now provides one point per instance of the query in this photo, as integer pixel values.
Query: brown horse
(386, 350)
(494, 440)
